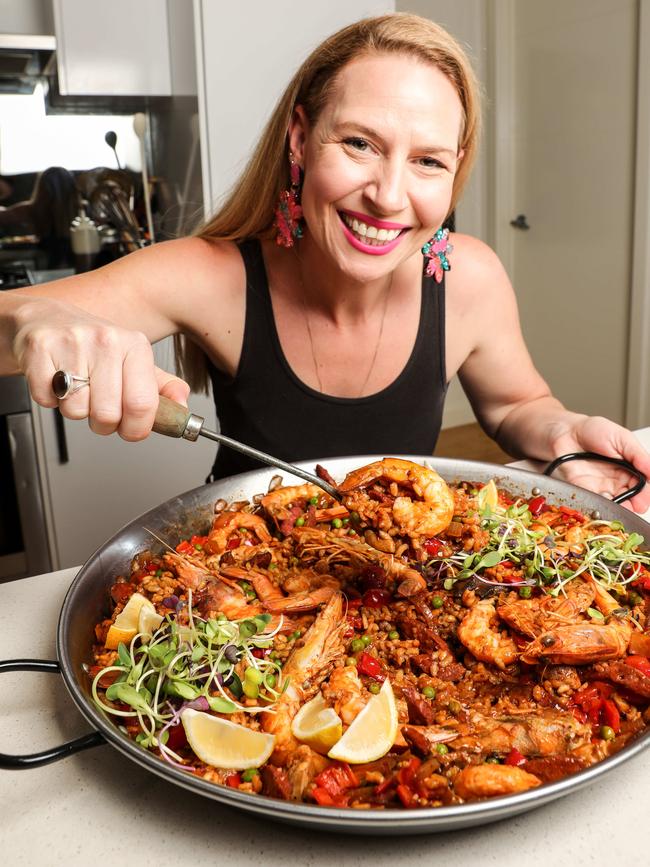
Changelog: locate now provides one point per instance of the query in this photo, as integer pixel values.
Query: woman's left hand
(595, 434)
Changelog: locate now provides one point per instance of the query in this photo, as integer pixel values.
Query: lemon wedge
(488, 496)
(224, 744)
(148, 620)
(372, 733)
(126, 622)
(317, 725)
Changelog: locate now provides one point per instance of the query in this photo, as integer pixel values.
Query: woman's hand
(124, 384)
(595, 434)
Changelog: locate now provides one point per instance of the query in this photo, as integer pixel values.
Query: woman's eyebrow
(362, 130)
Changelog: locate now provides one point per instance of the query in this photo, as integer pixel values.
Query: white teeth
(370, 232)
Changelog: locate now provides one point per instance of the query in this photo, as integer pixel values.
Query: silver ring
(64, 384)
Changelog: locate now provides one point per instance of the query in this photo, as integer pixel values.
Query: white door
(572, 149)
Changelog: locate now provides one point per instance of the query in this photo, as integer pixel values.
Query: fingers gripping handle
(175, 420)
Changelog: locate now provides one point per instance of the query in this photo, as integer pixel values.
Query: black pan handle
(594, 456)
(35, 760)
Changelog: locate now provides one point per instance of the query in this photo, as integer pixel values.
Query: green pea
(251, 690)
(525, 592)
(607, 733)
(356, 645)
(437, 601)
(253, 675)
(270, 680)
(313, 501)
(337, 523)
(249, 774)
(355, 517)
(374, 688)
(198, 547)
(350, 660)
(493, 760)
(367, 639)
(634, 598)
(429, 692)
(352, 532)
(442, 749)
(159, 573)
(454, 706)
(300, 521)
(393, 635)
(294, 635)
(346, 521)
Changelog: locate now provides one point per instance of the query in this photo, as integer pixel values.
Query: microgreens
(544, 556)
(192, 663)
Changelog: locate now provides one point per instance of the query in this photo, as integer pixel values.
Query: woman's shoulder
(476, 270)
(472, 257)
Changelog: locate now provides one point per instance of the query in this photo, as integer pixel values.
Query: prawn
(272, 597)
(280, 503)
(420, 502)
(344, 692)
(532, 616)
(583, 641)
(489, 781)
(478, 633)
(356, 555)
(548, 733)
(305, 669)
(228, 523)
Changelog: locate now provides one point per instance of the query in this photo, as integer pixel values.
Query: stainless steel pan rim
(191, 512)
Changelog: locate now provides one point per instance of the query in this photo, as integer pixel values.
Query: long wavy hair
(248, 209)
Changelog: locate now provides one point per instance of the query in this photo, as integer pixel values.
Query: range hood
(25, 59)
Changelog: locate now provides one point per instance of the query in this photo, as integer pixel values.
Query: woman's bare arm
(101, 324)
(510, 398)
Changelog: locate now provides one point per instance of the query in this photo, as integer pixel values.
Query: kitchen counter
(99, 807)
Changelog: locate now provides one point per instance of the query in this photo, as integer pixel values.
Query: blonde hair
(248, 209)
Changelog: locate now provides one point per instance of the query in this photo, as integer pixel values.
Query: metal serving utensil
(175, 420)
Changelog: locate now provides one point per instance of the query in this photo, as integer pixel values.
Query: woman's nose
(387, 189)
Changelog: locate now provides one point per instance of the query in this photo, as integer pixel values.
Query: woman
(304, 299)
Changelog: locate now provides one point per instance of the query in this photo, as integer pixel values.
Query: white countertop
(99, 807)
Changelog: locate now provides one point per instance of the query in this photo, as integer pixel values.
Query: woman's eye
(430, 163)
(359, 144)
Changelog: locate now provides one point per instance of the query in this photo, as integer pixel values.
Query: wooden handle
(171, 418)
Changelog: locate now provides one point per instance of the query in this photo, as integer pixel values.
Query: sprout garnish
(545, 556)
(192, 663)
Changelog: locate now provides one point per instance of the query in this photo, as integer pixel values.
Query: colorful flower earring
(288, 212)
(436, 251)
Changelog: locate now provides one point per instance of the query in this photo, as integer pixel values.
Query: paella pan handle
(594, 456)
(35, 760)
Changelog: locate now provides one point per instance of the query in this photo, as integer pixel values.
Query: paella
(415, 644)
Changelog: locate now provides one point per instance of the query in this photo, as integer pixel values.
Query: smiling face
(379, 162)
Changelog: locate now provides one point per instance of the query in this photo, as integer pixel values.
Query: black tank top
(266, 406)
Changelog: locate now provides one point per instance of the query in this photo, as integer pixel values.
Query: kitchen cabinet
(124, 48)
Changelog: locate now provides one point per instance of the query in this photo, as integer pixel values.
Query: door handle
(520, 222)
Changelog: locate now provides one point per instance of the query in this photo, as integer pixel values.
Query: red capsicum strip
(536, 506)
(367, 664)
(641, 663)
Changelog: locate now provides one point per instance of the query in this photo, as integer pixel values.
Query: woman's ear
(298, 132)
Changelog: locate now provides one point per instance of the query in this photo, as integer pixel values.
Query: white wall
(247, 61)
(467, 21)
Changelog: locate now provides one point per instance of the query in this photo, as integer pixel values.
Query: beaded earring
(288, 212)
(436, 250)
